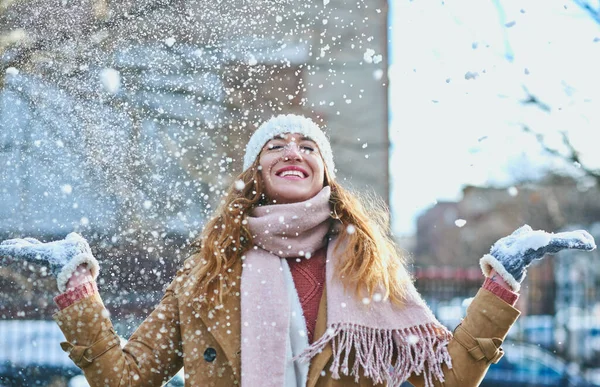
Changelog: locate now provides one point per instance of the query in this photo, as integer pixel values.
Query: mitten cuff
(64, 300)
(505, 294)
(488, 262)
(67, 271)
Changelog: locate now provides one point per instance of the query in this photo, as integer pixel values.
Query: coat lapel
(224, 325)
(223, 322)
(319, 362)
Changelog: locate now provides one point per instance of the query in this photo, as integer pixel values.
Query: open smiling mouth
(291, 174)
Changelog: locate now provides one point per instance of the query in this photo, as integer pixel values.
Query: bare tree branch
(534, 100)
(572, 155)
(593, 12)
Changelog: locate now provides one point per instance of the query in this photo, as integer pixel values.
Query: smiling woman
(292, 168)
(292, 283)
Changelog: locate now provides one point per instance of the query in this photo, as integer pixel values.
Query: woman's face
(292, 168)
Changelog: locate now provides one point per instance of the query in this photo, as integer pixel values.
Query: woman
(292, 283)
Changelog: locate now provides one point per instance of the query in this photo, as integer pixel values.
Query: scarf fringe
(386, 355)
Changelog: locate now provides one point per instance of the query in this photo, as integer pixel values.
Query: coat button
(210, 354)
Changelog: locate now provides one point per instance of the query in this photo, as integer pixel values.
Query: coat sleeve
(476, 341)
(152, 355)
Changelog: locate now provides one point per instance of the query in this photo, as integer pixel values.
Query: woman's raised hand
(510, 256)
(62, 257)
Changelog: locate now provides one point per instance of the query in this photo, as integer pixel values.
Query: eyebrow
(303, 138)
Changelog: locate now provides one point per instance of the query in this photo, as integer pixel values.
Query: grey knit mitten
(511, 255)
(61, 257)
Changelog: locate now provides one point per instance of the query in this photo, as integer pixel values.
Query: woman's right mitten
(61, 257)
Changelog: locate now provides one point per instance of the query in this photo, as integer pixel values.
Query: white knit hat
(289, 123)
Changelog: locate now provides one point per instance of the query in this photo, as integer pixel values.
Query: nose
(292, 152)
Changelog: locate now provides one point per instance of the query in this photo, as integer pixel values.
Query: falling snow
(127, 123)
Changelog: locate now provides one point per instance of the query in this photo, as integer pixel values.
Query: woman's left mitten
(61, 257)
(511, 255)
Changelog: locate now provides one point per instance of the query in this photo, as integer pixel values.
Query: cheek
(265, 164)
(319, 171)
(319, 166)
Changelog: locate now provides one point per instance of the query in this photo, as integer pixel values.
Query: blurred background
(126, 121)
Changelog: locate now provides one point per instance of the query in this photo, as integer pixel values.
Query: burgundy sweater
(309, 278)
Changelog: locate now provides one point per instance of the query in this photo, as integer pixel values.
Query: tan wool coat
(183, 331)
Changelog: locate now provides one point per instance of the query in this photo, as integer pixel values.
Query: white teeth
(291, 172)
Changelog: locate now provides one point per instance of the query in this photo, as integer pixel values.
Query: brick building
(454, 235)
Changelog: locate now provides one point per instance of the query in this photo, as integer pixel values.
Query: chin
(293, 198)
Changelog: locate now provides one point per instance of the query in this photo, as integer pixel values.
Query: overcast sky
(457, 76)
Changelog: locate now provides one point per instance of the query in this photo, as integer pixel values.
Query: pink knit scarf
(390, 342)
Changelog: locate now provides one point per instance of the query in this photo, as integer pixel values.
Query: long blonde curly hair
(370, 264)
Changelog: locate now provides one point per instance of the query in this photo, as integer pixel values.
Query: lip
(292, 168)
